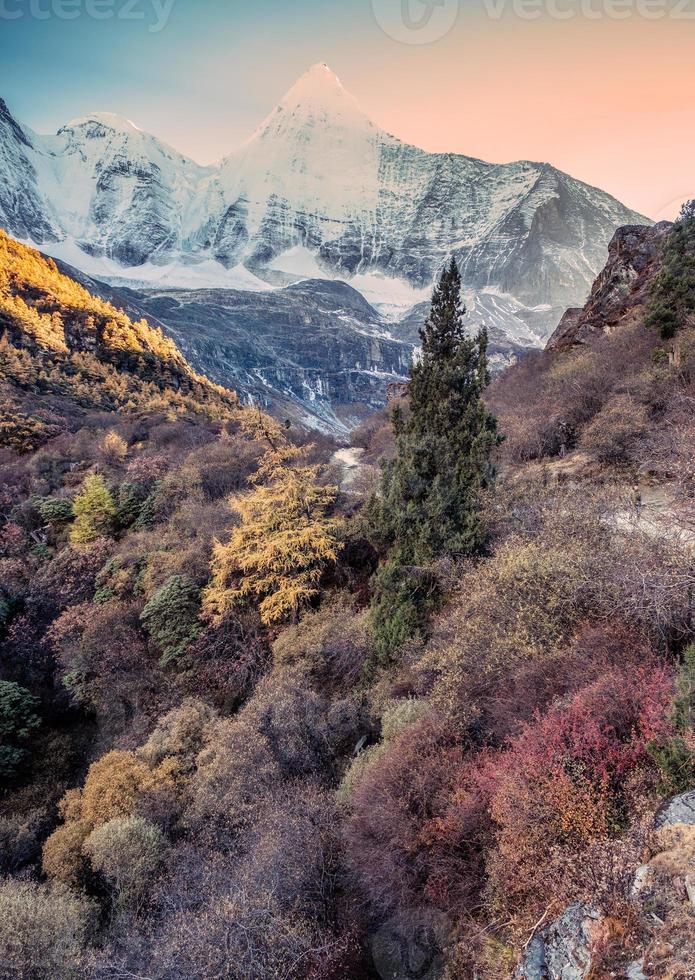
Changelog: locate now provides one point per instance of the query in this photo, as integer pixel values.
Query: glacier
(317, 192)
(317, 181)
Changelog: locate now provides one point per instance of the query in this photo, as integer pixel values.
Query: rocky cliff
(315, 352)
(620, 289)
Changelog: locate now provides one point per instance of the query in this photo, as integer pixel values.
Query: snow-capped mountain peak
(317, 99)
(107, 120)
(319, 90)
(317, 187)
(316, 154)
(118, 191)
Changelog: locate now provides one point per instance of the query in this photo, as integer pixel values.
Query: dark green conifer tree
(429, 505)
(672, 303)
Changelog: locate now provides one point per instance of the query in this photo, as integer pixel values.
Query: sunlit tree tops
(55, 336)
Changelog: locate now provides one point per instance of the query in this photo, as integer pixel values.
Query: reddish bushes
(433, 824)
(573, 777)
(595, 649)
(547, 400)
(417, 828)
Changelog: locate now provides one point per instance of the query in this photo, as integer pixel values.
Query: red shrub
(69, 578)
(596, 649)
(417, 832)
(607, 726)
(431, 822)
(104, 663)
(573, 777)
(12, 540)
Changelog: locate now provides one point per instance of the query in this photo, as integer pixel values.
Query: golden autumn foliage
(284, 541)
(114, 448)
(56, 337)
(113, 788)
(95, 512)
(42, 299)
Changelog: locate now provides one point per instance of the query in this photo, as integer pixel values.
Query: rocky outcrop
(566, 949)
(681, 809)
(315, 352)
(663, 899)
(23, 210)
(620, 289)
(566, 332)
(663, 895)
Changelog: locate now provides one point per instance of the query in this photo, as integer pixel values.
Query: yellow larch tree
(285, 539)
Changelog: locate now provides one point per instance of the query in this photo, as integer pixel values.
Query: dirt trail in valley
(350, 464)
(661, 515)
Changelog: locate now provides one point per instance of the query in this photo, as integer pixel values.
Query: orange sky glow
(612, 103)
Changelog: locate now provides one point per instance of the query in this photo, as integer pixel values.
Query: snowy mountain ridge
(318, 190)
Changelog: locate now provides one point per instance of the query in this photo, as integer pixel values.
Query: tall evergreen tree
(429, 505)
(431, 490)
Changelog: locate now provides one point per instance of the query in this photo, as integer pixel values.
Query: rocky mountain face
(23, 209)
(318, 192)
(314, 352)
(319, 176)
(511, 329)
(621, 288)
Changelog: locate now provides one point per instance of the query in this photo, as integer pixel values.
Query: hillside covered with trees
(60, 342)
(257, 726)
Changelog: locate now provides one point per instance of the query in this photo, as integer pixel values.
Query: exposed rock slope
(620, 289)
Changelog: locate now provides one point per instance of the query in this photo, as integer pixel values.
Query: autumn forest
(258, 721)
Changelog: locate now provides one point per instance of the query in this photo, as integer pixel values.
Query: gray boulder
(564, 950)
(681, 809)
(411, 947)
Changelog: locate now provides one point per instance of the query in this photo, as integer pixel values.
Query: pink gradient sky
(612, 103)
